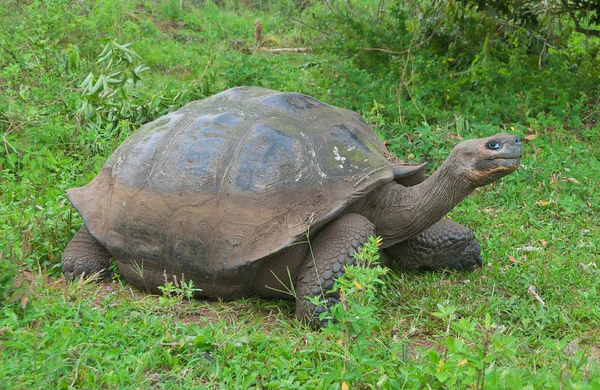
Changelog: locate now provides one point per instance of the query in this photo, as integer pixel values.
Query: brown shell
(230, 179)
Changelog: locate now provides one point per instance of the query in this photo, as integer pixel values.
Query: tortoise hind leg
(445, 245)
(85, 256)
(332, 250)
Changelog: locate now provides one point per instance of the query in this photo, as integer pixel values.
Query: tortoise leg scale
(332, 250)
(446, 245)
(85, 256)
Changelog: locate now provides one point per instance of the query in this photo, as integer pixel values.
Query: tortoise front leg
(85, 256)
(445, 245)
(332, 250)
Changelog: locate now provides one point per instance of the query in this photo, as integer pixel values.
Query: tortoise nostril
(517, 140)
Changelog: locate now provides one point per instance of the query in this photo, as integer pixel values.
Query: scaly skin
(332, 250)
(84, 257)
(445, 245)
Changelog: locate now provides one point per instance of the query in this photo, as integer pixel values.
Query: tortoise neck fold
(399, 212)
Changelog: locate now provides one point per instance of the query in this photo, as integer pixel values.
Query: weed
(356, 314)
(111, 97)
(175, 291)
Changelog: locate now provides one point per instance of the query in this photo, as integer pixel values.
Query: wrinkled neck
(399, 212)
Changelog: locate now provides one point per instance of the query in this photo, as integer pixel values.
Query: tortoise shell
(226, 181)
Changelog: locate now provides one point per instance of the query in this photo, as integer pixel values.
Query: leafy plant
(448, 59)
(112, 97)
(356, 319)
(175, 291)
(471, 357)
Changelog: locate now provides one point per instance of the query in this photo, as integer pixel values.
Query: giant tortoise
(230, 190)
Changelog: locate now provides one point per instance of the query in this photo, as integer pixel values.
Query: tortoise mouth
(509, 161)
(506, 163)
(511, 156)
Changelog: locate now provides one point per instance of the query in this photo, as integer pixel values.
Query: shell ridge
(223, 179)
(164, 146)
(244, 131)
(314, 165)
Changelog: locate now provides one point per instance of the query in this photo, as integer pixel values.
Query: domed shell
(230, 179)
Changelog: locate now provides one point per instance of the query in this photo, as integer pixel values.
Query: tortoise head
(484, 160)
(403, 211)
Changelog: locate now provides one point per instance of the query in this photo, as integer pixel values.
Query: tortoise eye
(493, 145)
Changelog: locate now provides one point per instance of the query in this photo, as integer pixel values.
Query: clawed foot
(81, 268)
(85, 257)
(468, 258)
(444, 246)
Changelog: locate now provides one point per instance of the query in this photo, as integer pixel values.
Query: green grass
(538, 227)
